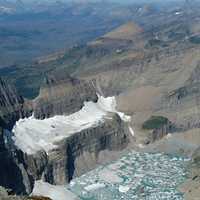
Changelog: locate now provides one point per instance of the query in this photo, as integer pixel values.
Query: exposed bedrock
(12, 105)
(159, 133)
(78, 153)
(184, 102)
(13, 173)
(62, 94)
(35, 164)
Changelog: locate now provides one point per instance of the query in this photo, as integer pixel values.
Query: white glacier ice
(32, 135)
(54, 192)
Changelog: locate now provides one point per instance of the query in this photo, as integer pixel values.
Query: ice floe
(94, 186)
(109, 176)
(124, 189)
(135, 176)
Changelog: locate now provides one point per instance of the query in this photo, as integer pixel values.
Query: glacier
(32, 135)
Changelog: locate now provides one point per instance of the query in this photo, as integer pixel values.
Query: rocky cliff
(12, 169)
(79, 153)
(61, 94)
(12, 105)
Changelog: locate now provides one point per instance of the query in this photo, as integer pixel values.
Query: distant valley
(60, 36)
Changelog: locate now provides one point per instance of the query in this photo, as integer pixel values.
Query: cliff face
(12, 169)
(11, 105)
(185, 101)
(61, 94)
(79, 153)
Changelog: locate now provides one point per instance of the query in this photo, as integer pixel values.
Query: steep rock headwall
(12, 105)
(78, 154)
(13, 174)
(185, 102)
(61, 94)
(35, 164)
(161, 132)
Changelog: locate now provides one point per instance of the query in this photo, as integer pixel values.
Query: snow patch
(131, 131)
(54, 192)
(109, 104)
(177, 13)
(32, 135)
(141, 146)
(169, 135)
(94, 186)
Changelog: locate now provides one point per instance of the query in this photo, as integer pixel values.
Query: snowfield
(32, 135)
(54, 192)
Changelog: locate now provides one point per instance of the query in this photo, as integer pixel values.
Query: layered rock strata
(62, 94)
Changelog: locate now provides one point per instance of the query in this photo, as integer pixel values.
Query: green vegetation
(195, 39)
(155, 122)
(196, 157)
(176, 36)
(156, 43)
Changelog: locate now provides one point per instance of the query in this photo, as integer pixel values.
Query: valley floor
(182, 144)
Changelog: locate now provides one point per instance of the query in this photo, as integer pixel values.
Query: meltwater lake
(136, 176)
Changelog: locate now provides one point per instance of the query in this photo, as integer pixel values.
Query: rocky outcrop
(161, 132)
(157, 127)
(4, 195)
(12, 105)
(185, 101)
(13, 171)
(35, 164)
(196, 157)
(62, 94)
(78, 154)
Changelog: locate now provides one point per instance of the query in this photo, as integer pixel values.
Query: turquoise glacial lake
(136, 176)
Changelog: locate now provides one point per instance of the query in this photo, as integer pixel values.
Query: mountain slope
(126, 31)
